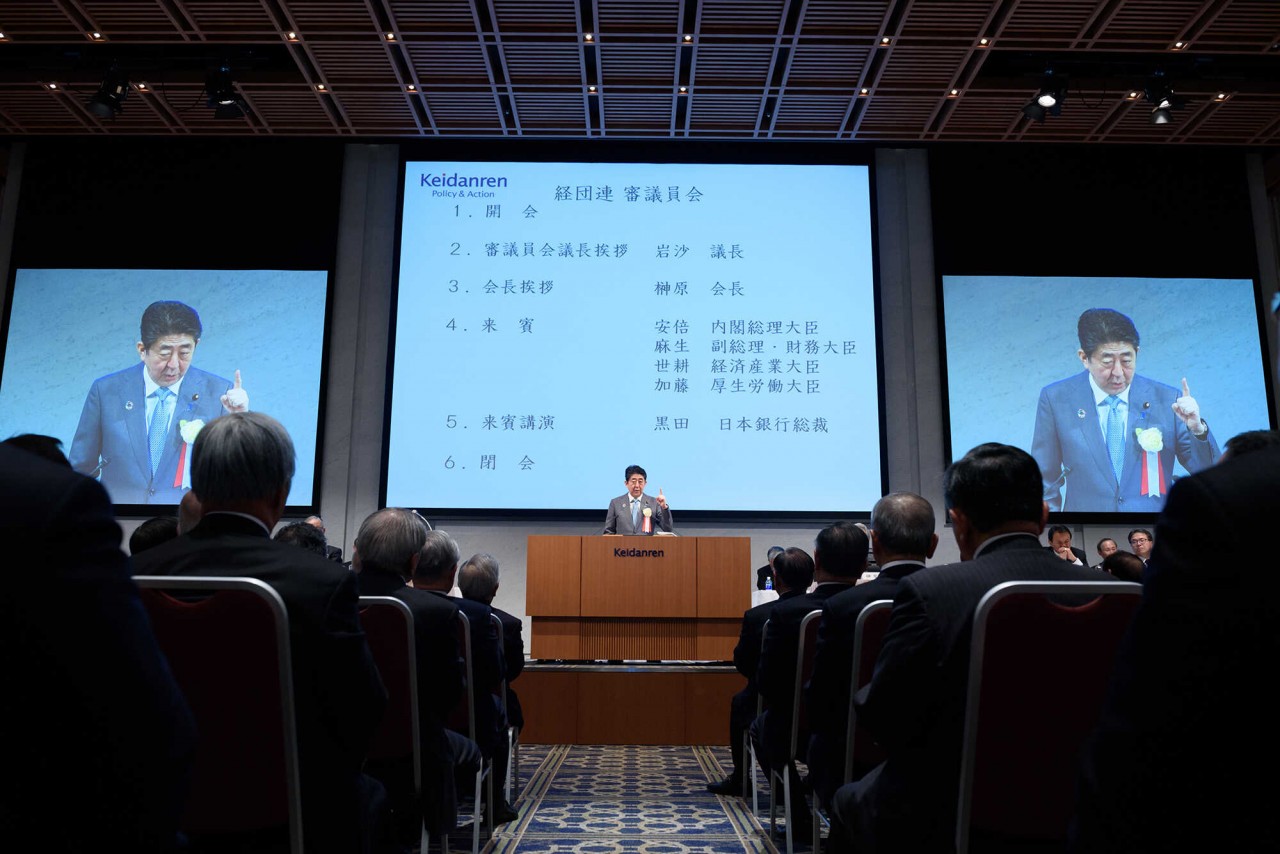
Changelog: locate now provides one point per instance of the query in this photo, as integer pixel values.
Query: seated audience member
(478, 581)
(189, 512)
(303, 536)
(1060, 545)
(839, 557)
(46, 447)
(153, 532)
(765, 573)
(1125, 566)
(914, 705)
(100, 746)
(1188, 725)
(242, 465)
(791, 579)
(1250, 441)
(386, 550)
(333, 553)
(435, 571)
(1141, 541)
(902, 539)
(1106, 546)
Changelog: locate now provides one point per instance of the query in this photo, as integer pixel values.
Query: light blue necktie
(159, 428)
(1115, 435)
(635, 514)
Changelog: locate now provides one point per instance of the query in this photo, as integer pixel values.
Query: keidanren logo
(456, 180)
(637, 553)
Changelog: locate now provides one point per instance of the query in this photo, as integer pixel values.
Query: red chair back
(804, 669)
(1038, 675)
(229, 651)
(388, 628)
(463, 717)
(862, 751)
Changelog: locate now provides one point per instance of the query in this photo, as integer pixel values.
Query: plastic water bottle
(768, 583)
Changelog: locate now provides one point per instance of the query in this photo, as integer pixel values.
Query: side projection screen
(557, 322)
(1117, 386)
(75, 367)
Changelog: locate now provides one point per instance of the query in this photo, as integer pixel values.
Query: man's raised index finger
(1186, 391)
(1184, 382)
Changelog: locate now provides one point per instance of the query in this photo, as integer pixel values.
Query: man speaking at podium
(635, 512)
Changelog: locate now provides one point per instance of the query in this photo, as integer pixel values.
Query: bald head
(902, 525)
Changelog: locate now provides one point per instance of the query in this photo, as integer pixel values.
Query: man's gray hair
(904, 523)
(439, 555)
(478, 577)
(388, 540)
(241, 457)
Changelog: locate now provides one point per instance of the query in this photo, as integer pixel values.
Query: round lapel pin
(128, 404)
(1079, 413)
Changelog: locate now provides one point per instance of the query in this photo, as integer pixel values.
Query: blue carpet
(602, 799)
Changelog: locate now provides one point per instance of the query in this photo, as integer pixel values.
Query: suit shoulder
(120, 377)
(1068, 385)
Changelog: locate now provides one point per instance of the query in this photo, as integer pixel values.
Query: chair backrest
(868, 634)
(388, 628)
(764, 634)
(463, 717)
(804, 669)
(228, 647)
(1038, 672)
(501, 691)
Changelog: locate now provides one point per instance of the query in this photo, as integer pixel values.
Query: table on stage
(637, 598)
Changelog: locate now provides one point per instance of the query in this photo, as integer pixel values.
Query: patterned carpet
(593, 799)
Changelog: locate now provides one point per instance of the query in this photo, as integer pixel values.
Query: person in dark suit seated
(303, 536)
(791, 579)
(839, 557)
(386, 550)
(1188, 723)
(764, 574)
(242, 468)
(902, 539)
(1060, 544)
(478, 580)
(153, 532)
(914, 705)
(1106, 546)
(101, 740)
(333, 553)
(1125, 566)
(1142, 541)
(48, 447)
(435, 572)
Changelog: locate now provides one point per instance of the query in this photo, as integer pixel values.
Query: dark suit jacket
(440, 685)
(828, 690)
(777, 674)
(1065, 437)
(513, 656)
(746, 655)
(1190, 703)
(339, 695)
(617, 519)
(91, 707)
(914, 705)
(113, 428)
(1079, 553)
(487, 669)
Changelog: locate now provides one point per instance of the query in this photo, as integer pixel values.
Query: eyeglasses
(1137, 540)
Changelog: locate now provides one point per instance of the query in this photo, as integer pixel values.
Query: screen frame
(625, 152)
(124, 510)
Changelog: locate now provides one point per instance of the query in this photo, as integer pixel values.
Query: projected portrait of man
(137, 424)
(1106, 438)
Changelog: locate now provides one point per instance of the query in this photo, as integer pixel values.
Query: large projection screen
(1015, 375)
(72, 369)
(556, 322)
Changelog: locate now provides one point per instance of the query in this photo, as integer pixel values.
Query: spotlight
(108, 101)
(226, 103)
(1048, 101)
(1162, 99)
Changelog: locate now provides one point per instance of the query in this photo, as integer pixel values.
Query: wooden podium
(637, 598)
